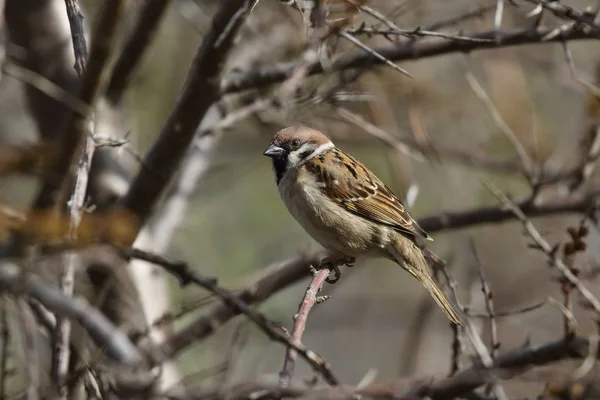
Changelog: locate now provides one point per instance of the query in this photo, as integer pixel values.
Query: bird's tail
(409, 256)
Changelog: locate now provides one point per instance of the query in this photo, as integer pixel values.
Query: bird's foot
(333, 263)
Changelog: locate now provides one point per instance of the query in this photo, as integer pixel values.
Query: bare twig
(498, 15)
(300, 319)
(100, 329)
(30, 348)
(380, 134)
(62, 332)
(46, 86)
(313, 18)
(5, 337)
(453, 220)
(590, 361)
(414, 33)
(509, 364)
(458, 332)
(569, 318)
(141, 37)
(469, 331)
(415, 150)
(200, 92)
(78, 35)
(275, 73)
(102, 46)
(566, 12)
(373, 52)
(92, 85)
(590, 145)
(488, 296)
(511, 313)
(591, 88)
(546, 248)
(528, 165)
(477, 13)
(187, 275)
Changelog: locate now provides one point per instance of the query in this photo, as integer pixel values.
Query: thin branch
(489, 303)
(62, 333)
(372, 129)
(569, 13)
(511, 313)
(546, 248)
(444, 23)
(512, 363)
(313, 17)
(30, 348)
(373, 52)
(272, 280)
(418, 32)
(300, 319)
(78, 35)
(5, 337)
(469, 331)
(101, 330)
(92, 84)
(137, 43)
(270, 74)
(498, 15)
(102, 45)
(458, 332)
(200, 92)
(187, 275)
(46, 86)
(415, 150)
(526, 162)
(576, 203)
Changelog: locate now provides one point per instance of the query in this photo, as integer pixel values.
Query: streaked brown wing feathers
(359, 191)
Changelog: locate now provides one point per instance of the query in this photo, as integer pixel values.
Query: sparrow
(342, 205)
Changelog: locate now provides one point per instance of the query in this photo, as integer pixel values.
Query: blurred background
(378, 320)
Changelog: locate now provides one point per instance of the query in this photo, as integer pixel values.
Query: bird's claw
(333, 264)
(335, 271)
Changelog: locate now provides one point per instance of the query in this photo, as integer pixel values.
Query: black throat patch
(279, 166)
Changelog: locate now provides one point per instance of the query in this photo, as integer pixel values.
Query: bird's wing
(358, 190)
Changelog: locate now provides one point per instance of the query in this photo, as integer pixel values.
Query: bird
(346, 208)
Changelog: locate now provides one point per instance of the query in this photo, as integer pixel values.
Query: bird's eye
(295, 143)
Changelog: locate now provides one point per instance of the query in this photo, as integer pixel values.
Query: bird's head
(293, 146)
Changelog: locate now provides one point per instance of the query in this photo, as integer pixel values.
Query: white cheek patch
(295, 160)
(321, 149)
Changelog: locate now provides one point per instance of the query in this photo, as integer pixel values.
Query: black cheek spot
(305, 154)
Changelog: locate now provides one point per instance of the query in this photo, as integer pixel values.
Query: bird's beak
(274, 151)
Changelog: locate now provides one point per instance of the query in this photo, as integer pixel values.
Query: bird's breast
(325, 221)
